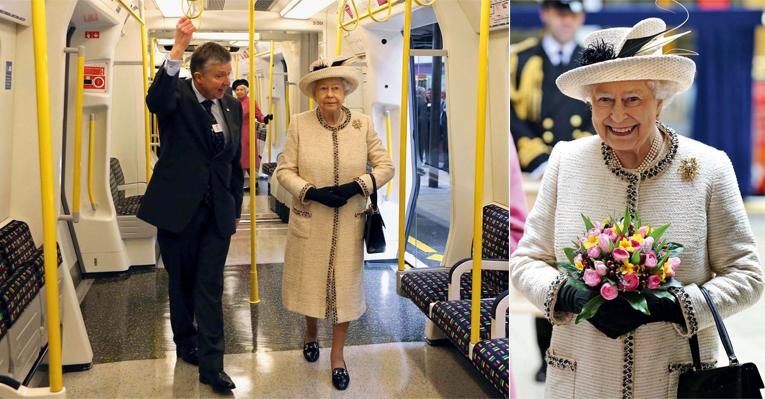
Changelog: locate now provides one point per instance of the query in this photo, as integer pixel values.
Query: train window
(428, 224)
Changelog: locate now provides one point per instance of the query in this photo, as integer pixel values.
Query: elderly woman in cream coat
(325, 168)
(636, 161)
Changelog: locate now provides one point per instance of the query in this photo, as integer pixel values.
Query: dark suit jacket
(187, 169)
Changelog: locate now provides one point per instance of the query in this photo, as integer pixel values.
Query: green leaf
(660, 293)
(590, 308)
(578, 284)
(627, 220)
(587, 222)
(660, 263)
(674, 249)
(657, 232)
(569, 254)
(637, 301)
(568, 267)
(635, 258)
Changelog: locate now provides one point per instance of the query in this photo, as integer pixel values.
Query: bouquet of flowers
(623, 258)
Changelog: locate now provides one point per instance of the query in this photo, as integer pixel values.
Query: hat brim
(348, 73)
(674, 68)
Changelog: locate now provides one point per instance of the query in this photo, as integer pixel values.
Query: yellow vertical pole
(39, 34)
(275, 131)
(270, 96)
(78, 133)
(287, 101)
(259, 98)
(236, 66)
(403, 134)
(339, 35)
(254, 291)
(146, 116)
(480, 141)
(152, 72)
(310, 103)
(389, 144)
(152, 50)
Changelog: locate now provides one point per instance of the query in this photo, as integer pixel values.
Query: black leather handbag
(374, 237)
(733, 381)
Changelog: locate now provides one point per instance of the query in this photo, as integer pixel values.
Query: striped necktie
(218, 139)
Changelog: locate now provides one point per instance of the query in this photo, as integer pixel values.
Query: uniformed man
(540, 114)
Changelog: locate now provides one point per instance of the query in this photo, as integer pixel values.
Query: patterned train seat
(123, 205)
(492, 359)
(454, 318)
(425, 287)
(21, 271)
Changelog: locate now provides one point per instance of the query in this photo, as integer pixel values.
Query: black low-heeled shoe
(341, 378)
(311, 351)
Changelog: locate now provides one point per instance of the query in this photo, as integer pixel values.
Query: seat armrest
(498, 311)
(465, 265)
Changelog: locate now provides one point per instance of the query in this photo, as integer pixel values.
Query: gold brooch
(689, 168)
(356, 123)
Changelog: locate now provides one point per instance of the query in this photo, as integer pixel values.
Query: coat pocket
(561, 376)
(300, 223)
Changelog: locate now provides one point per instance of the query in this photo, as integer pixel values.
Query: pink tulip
(630, 282)
(608, 291)
(601, 268)
(610, 233)
(635, 244)
(604, 242)
(648, 244)
(620, 254)
(591, 277)
(654, 282)
(650, 260)
(593, 252)
(643, 230)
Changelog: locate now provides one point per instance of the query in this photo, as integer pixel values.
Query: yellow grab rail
(388, 143)
(257, 79)
(144, 63)
(91, 153)
(480, 142)
(403, 134)
(428, 3)
(271, 132)
(78, 133)
(152, 50)
(254, 291)
(372, 12)
(340, 24)
(45, 147)
(270, 95)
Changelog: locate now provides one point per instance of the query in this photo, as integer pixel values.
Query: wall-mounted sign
(8, 74)
(95, 78)
(92, 34)
(499, 16)
(18, 11)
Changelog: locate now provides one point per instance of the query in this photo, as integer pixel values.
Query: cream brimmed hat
(323, 69)
(619, 54)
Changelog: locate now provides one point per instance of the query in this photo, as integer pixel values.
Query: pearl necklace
(653, 152)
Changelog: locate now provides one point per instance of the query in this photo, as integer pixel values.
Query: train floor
(127, 319)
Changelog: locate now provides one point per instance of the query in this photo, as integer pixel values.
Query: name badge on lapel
(217, 128)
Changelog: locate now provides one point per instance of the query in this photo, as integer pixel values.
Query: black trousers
(194, 260)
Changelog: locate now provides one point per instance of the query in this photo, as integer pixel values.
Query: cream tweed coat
(324, 256)
(706, 214)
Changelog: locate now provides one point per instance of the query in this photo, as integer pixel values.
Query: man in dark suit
(195, 196)
(540, 115)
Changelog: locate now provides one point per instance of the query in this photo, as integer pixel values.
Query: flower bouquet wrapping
(621, 258)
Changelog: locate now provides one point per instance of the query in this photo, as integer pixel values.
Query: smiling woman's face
(329, 94)
(624, 114)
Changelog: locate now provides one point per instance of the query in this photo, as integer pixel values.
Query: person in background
(324, 167)
(540, 115)
(241, 90)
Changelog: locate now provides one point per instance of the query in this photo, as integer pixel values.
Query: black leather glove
(616, 317)
(571, 299)
(347, 190)
(268, 118)
(325, 196)
(663, 309)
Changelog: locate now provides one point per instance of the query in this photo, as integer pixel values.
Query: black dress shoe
(340, 378)
(311, 351)
(188, 354)
(219, 382)
(541, 374)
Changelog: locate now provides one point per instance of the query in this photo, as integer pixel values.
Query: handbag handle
(721, 330)
(373, 196)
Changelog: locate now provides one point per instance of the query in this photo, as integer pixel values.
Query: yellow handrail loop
(341, 10)
(372, 12)
(425, 4)
(192, 9)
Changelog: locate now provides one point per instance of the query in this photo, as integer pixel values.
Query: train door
(429, 218)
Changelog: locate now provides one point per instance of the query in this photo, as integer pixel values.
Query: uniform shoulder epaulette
(524, 45)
